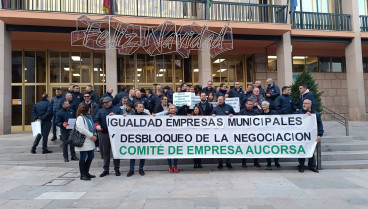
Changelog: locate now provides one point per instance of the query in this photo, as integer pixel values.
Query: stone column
(5, 79)
(111, 70)
(354, 66)
(284, 61)
(204, 64)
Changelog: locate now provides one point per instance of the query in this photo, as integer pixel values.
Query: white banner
(148, 137)
(182, 98)
(234, 103)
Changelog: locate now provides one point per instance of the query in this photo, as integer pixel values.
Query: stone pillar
(284, 61)
(354, 66)
(5, 79)
(204, 64)
(111, 70)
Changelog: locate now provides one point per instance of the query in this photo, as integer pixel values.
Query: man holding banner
(204, 106)
(223, 109)
(307, 109)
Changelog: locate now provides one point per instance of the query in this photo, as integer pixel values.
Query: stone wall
(261, 72)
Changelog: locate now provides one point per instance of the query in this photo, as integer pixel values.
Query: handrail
(321, 21)
(363, 23)
(337, 117)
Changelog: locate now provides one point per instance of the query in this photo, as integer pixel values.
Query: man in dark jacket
(307, 109)
(306, 94)
(223, 109)
(100, 118)
(42, 112)
(93, 95)
(152, 101)
(118, 97)
(62, 119)
(138, 98)
(258, 84)
(237, 91)
(72, 103)
(204, 106)
(250, 111)
(93, 106)
(272, 92)
(247, 94)
(70, 89)
(108, 94)
(56, 106)
(169, 94)
(222, 91)
(77, 96)
(284, 103)
(209, 88)
(163, 106)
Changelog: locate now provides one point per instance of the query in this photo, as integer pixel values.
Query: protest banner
(182, 98)
(234, 103)
(147, 137)
(195, 101)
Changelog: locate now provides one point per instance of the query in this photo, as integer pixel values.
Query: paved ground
(59, 187)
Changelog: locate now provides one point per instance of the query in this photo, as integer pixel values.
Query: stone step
(345, 164)
(351, 146)
(345, 155)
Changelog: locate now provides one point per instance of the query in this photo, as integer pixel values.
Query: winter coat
(223, 109)
(319, 120)
(208, 91)
(284, 104)
(249, 112)
(82, 127)
(236, 93)
(42, 110)
(208, 109)
(56, 103)
(63, 116)
(310, 96)
(274, 92)
(102, 113)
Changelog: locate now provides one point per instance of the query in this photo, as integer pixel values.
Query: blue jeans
(175, 162)
(141, 164)
(86, 156)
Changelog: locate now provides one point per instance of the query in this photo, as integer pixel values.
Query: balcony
(186, 9)
(363, 23)
(321, 21)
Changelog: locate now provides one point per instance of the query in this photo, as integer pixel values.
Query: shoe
(244, 165)
(33, 151)
(141, 172)
(200, 166)
(97, 149)
(269, 165)
(301, 168)
(46, 152)
(117, 173)
(220, 166)
(229, 166)
(195, 166)
(105, 173)
(171, 169)
(277, 165)
(314, 169)
(66, 159)
(74, 158)
(85, 178)
(257, 165)
(130, 173)
(53, 138)
(176, 169)
(90, 176)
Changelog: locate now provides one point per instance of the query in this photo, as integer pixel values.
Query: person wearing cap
(100, 118)
(56, 102)
(42, 112)
(169, 94)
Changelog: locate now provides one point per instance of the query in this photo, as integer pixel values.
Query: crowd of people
(91, 111)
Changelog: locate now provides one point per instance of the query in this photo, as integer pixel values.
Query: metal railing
(321, 21)
(363, 23)
(337, 117)
(187, 9)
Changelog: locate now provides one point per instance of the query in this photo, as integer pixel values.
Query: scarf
(89, 121)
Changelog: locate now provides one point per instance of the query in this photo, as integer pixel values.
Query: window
(363, 7)
(320, 6)
(365, 64)
(319, 64)
(272, 64)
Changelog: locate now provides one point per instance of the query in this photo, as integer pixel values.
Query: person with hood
(272, 92)
(257, 99)
(223, 109)
(306, 94)
(169, 94)
(237, 91)
(56, 102)
(42, 112)
(209, 88)
(284, 103)
(222, 91)
(93, 95)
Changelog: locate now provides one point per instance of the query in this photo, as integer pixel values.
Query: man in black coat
(248, 93)
(73, 104)
(237, 91)
(204, 106)
(258, 84)
(272, 92)
(306, 94)
(163, 106)
(118, 97)
(284, 103)
(42, 112)
(108, 94)
(222, 91)
(209, 88)
(93, 95)
(250, 111)
(56, 106)
(169, 94)
(62, 119)
(77, 96)
(307, 109)
(223, 109)
(152, 101)
(100, 119)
